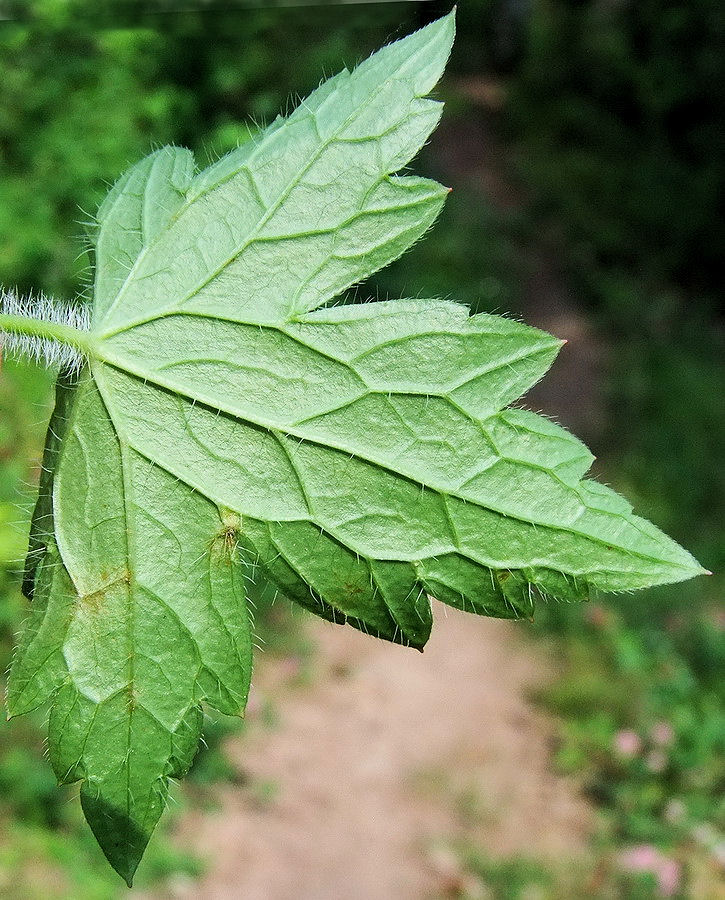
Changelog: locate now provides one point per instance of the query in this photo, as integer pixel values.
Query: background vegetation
(610, 120)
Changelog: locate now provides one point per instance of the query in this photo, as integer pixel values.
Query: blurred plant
(89, 87)
(648, 859)
(644, 727)
(620, 107)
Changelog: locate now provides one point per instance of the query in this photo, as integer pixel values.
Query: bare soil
(383, 762)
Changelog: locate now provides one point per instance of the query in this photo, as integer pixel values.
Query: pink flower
(668, 876)
(627, 743)
(290, 667)
(641, 858)
(656, 761)
(662, 733)
(646, 858)
(254, 703)
(596, 615)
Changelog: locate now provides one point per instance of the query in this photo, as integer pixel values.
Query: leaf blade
(136, 210)
(153, 621)
(453, 465)
(313, 171)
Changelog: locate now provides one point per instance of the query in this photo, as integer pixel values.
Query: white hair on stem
(48, 351)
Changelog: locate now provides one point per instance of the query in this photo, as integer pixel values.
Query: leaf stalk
(53, 331)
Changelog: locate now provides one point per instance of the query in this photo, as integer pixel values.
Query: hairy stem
(54, 331)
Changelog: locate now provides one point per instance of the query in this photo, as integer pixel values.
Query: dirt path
(387, 757)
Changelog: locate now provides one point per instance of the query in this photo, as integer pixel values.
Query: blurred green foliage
(613, 116)
(617, 117)
(618, 114)
(642, 726)
(621, 109)
(89, 88)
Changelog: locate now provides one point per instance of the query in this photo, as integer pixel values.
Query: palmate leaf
(359, 458)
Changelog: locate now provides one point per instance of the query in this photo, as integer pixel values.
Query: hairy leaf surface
(360, 458)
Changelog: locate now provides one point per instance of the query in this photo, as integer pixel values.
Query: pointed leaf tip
(122, 841)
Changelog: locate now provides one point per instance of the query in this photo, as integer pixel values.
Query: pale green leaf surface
(139, 614)
(359, 458)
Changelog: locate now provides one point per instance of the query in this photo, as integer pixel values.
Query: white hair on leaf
(48, 351)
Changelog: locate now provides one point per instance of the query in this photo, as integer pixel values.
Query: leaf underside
(359, 458)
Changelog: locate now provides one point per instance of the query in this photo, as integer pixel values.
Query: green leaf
(139, 614)
(360, 458)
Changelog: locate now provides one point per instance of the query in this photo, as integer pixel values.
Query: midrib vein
(258, 422)
(126, 483)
